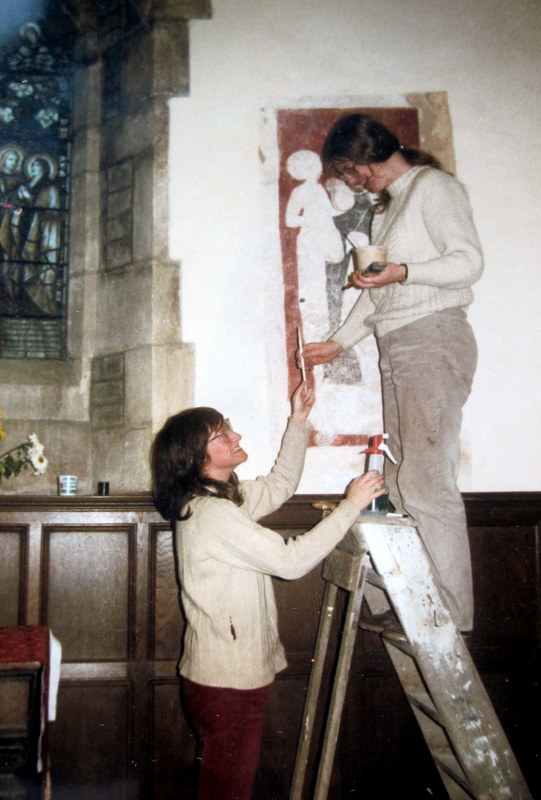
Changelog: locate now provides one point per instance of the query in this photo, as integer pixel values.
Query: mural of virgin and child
(325, 215)
(30, 234)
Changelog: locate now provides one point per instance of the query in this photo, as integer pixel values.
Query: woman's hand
(393, 273)
(362, 490)
(319, 353)
(302, 400)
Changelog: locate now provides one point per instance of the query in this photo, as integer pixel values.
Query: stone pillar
(138, 326)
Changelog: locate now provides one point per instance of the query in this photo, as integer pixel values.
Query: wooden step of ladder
(431, 660)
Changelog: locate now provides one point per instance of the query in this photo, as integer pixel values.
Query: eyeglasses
(224, 430)
(344, 172)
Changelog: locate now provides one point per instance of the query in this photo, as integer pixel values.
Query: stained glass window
(35, 110)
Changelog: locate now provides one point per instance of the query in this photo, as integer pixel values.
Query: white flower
(37, 447)
(35, 454)
(17, 458)
(39, 462)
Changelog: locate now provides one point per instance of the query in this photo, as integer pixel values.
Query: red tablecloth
(32, 643)
(24, 643)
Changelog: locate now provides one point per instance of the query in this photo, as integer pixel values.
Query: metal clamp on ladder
(431, 660)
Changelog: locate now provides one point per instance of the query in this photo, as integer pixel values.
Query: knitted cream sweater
(226, 560)
(429, 226)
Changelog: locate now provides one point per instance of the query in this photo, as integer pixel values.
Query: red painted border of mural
(306, 129)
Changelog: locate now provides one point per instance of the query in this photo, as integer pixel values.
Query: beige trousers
(427, 369)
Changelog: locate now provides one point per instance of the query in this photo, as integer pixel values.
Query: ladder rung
(397, 641)
(342, 569)
(424, 703)
(373, 578)
(448, 763)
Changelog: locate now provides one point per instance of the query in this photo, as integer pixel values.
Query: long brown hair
(363, 139)
(178, 457)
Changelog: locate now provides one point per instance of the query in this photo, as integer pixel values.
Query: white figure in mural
(318, 243)
(320, 251)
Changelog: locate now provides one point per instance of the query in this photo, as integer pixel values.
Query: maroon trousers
(229, 725)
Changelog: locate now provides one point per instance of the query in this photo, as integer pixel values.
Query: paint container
(67, 485)
(376, 452)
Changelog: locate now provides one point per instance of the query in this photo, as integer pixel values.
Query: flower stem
(23, 446)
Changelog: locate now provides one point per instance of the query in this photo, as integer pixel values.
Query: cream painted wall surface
(485, 55)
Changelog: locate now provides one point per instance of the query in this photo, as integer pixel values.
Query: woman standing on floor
(231, 650)
(416, 308)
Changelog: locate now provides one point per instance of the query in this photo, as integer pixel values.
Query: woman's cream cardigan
(226, 560)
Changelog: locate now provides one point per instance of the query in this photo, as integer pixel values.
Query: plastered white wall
(485, 55)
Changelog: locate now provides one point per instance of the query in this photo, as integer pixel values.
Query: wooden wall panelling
(140, 668)
(88, 590)
(299, 605)
(505, 541)
(14, 574)
(172, 773)
(172, 746)
(91, 743)
(100, 572)
(166, 622)
(381, 751)
(507, 584)
(506, 556)
(280, 736)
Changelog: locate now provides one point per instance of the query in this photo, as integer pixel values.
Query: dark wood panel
(280, 736)
(13, 562)
(88, 590)
(507, 580)
(299, 602)
(502, 509)
(514, 693)
(383, 754)
(173, 775)
(166, 622)
(91, 742)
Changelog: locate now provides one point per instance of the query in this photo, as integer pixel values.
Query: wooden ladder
(432, 662)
